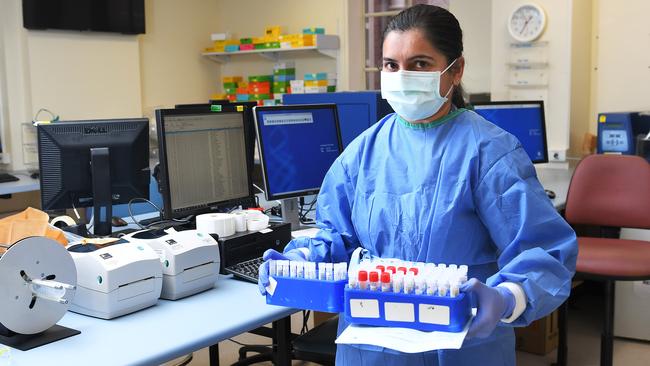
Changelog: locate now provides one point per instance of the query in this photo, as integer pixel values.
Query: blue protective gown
(457, 190)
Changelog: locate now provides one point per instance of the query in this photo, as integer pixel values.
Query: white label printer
(190, 259)
(115, 279)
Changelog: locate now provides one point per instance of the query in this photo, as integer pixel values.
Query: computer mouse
(118, 221)
(35, 175)
(550, 194)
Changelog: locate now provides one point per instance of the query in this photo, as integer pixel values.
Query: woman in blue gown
(436, 182)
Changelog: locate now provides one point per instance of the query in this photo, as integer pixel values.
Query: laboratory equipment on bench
(37, 283)
(190, 259)
(115, 279)
(624, 133)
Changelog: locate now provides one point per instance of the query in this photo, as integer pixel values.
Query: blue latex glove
(263, 276)
(494, 304)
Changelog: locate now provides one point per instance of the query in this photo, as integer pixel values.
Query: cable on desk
(144, 200)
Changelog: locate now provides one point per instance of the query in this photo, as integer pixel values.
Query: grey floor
(584, 341)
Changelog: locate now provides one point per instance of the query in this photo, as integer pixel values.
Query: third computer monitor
(297, 144)
(523, 119)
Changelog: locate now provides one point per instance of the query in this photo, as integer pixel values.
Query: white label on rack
(399, 311)
(364, 308)
(434, 314)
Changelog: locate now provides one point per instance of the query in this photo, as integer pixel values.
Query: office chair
(610, 191)
(316, 345)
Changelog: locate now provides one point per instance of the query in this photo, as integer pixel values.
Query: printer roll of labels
(256, 220)
(221, 224)
(240, 221)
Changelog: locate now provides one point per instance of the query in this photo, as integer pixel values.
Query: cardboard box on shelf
(540, 337)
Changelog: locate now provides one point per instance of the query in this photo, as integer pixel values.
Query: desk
(25, 184)
(161, 333)
(556, 180)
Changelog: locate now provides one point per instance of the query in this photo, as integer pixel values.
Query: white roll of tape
(221, 224)
(240, 221)
(257, 222)
(67, 220)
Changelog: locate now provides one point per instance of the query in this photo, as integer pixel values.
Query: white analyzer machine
(115, 279)
(190, 259)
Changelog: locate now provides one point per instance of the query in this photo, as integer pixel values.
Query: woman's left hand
(494, 304)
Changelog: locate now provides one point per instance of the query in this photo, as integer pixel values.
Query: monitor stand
(102, 197)
(291, 213)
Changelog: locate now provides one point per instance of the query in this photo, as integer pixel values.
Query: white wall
(558, 31)
(622, 65)
(476, 23)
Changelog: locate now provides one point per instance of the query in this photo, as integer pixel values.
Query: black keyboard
(6, 177)
(246, 270)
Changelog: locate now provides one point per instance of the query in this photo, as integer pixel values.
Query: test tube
(321, 271)
(380, 267)
(402, 269)
(442, 266)
(420, 285)
(453, 267)
(443, 287)
(463, 269)
(293, 270)
(352, 279)
(362, 278)
(398, 282)
(374, 280)
(391, 269)
(454, 289)
(329, 271)
(285, 268)
(273, 268)
(415, 270)
(431, 286)
(300, 269)
(385, 281)
(409, 283)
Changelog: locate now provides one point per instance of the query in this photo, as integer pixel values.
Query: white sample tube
(432, 286)
(352, 280)
(443, 287)
(329, 271)
(293, 269)
(300, 269)
(420, 285)
(321, 271)
(398, 282)
(409, 283)
(454, 289)
(273, 268)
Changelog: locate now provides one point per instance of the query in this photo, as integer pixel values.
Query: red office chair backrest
(610, 190)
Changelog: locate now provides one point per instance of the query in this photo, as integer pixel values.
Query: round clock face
(527, 22)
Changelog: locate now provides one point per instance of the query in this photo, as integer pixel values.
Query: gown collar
(423, 126)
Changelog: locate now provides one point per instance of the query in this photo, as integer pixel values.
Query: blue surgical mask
(414, 95)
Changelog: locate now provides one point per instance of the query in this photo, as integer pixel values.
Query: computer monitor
(204, 160)
(523, 119)
(94, 163)
(297, 146)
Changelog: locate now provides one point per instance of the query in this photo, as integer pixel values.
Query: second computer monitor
(523, 119)
(297, 145)
(204, 160)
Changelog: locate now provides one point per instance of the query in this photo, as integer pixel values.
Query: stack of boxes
(283, 74)
(270, 40)
(230, 86)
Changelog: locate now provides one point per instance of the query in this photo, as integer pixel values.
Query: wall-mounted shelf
(326, 44)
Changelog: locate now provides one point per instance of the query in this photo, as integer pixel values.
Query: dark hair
(440, 28)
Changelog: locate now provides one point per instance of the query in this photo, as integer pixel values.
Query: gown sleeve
(536, 247)
(336, 239)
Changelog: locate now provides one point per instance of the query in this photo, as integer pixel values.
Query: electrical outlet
(556, 155)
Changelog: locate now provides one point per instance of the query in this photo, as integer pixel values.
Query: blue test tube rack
(308, 294)
(422, 312)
